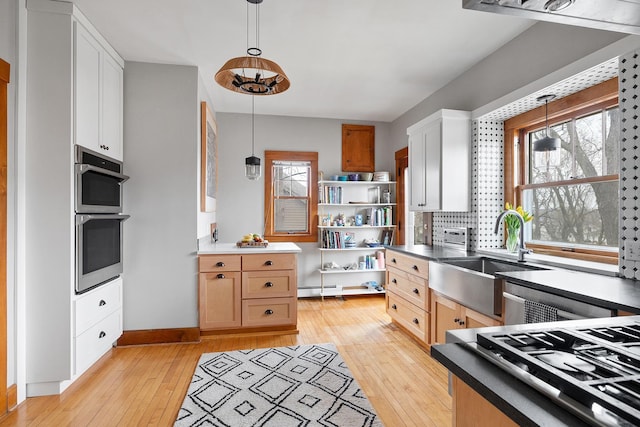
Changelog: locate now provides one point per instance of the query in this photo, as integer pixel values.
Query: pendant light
(252, 74)
(547, 143)
(252, 168)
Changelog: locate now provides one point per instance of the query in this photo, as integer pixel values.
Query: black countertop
(602, 290)
(520, 402)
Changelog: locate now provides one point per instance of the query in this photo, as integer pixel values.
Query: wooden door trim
(4, 81)
(402, 162)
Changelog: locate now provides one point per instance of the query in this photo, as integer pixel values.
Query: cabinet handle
(393, 260)
(269, 262)
(220, 264)
(395, 307)
(102, 334)
(268, 312)
(415, 267)
(461, 323)
(101, 303)
(268, 285)
(416, 291)
(456, 320)
(220, 276)
(416, 321)
(394, 281)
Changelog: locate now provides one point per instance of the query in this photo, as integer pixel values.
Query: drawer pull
(268, 312)
(102, 303)
(461, 323)
(393, 260)
(415, 267)
(220, 264)
(220, 276)
(416, 291)
(102, 334)
(416, 321)
(268, 262)
(269, 284)
(456, 320)
(394, 281)
(395, 307)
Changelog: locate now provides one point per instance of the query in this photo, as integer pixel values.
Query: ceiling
(366, 60)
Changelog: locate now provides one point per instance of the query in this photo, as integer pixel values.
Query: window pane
(589, 153)
(291, 180)
(291, 215)
(555, 165)
(581, 214)
(612, 141)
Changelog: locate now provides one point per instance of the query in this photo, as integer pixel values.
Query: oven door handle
(83, 219)
(83, 168)
(561, 313)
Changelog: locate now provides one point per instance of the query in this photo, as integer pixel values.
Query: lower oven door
(98, 249)
(515, 297)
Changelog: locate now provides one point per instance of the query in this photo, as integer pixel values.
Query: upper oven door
(98, 182)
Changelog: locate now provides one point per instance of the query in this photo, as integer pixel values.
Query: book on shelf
(334, 239)
(331, 194)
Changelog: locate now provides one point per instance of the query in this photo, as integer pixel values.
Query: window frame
(597, 98)
(269, 222)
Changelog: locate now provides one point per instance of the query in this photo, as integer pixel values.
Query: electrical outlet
(632, 251)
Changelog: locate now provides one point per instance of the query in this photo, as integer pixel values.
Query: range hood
(612, 15)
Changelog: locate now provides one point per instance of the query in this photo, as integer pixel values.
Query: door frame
(4, 82)
(402, 163)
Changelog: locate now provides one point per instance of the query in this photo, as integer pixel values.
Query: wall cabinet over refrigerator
(439, 162)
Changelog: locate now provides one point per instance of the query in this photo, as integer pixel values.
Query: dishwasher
(527, 305)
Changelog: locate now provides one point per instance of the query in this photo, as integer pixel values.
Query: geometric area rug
(306, 385)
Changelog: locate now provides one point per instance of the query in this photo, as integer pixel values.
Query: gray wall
(542, 49)
(241, 201)
(161, 141)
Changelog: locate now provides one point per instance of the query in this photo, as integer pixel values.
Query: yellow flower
(511, 220)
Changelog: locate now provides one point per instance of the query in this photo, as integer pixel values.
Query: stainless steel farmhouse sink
(472, 281)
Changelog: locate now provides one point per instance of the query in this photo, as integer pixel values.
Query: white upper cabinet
(439, 162)
(98, 94)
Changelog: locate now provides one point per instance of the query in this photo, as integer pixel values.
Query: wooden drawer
(408, 263)
(264, 262)
(269, 312)
(95, 305)
(213, 263)
(97, 340)
(413, 319)
(414, 289)
(269, 284)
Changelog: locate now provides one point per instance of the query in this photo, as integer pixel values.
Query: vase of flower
(513, 238)
(513, 226)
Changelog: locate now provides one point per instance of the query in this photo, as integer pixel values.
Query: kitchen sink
(491, 266)
(472, 281)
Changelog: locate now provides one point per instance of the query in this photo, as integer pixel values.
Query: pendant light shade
(252, 168)
(252, 74)
(547, 143)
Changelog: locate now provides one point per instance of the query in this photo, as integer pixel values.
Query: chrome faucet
(522, 249)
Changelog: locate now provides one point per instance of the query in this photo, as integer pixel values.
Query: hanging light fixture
(547, 143)
(252, 169)
(252, 74)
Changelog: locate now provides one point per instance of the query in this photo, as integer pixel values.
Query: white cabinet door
(87, 53)
(111, 125)
(417, 171)
(433, 150)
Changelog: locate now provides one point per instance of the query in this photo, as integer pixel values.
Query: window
(572, 192)
(291, 196)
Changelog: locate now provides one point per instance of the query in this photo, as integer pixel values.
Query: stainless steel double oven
(99, 218)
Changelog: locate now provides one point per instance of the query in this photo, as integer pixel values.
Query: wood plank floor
(145, 385)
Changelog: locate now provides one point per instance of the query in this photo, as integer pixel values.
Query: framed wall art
(208, 159)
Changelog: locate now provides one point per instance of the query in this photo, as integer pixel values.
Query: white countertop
(206, 247)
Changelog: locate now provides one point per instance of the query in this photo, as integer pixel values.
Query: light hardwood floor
(145, 385)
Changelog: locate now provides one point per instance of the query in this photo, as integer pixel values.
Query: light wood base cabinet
(470, 409)
(238, 292)
(447, 314)
(407, 294)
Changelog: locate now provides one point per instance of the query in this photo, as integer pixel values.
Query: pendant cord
(253, 126)
(546, 115)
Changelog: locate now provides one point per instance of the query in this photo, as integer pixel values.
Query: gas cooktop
(593, 371)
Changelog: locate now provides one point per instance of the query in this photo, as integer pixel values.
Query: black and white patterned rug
(307, 385)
